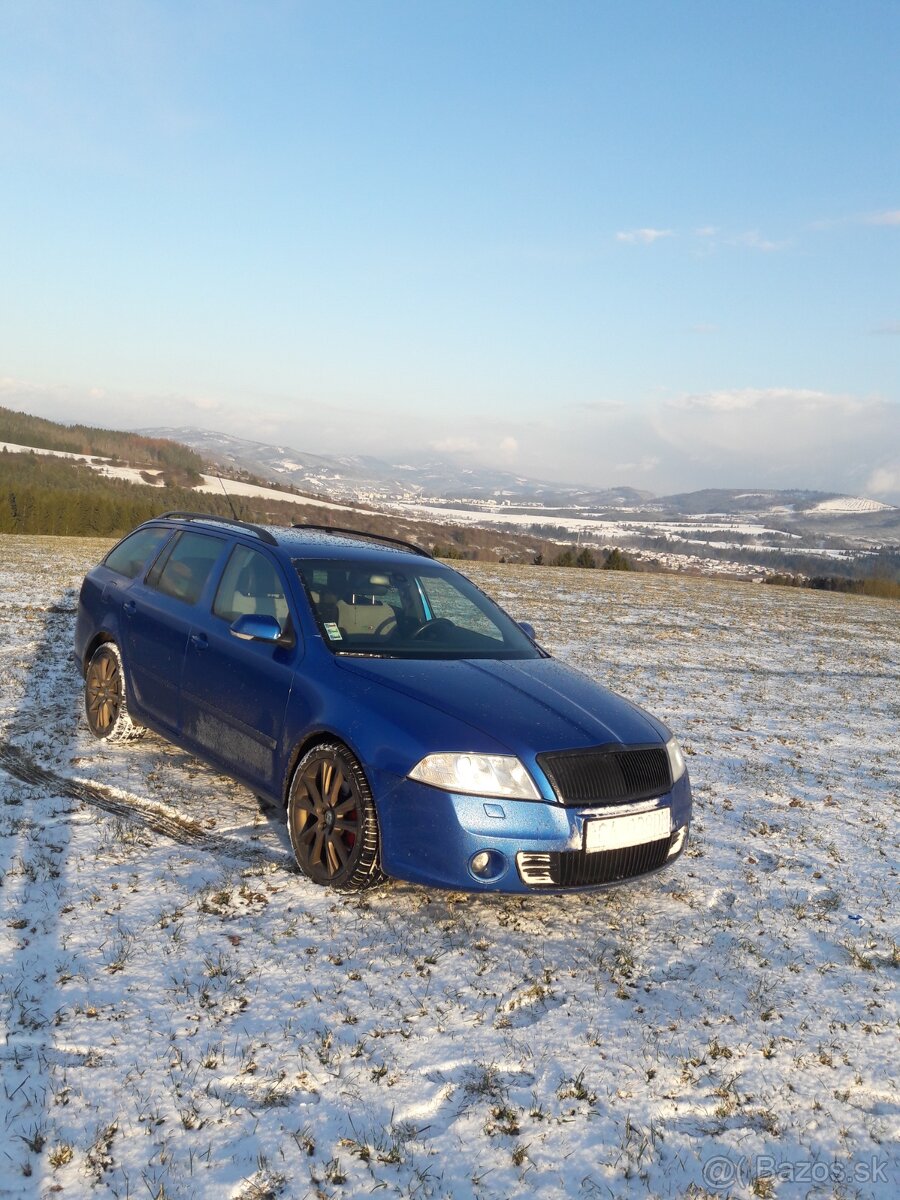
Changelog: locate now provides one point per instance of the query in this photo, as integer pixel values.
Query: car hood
(529, 705)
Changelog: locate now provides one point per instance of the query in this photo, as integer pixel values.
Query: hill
(367, 478)
(179, 462)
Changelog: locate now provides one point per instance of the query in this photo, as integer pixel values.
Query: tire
(105, 703)
(332, 820)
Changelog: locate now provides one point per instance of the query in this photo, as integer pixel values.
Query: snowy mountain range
(366, 478)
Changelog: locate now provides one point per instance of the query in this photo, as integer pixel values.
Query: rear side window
(129, 557)
(185, 572)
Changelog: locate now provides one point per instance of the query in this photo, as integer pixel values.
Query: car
(408, 726)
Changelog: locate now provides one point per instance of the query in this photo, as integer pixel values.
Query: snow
(233, 487)
(849, 504)
(14, 448)
(184, 1016)
(102, 466)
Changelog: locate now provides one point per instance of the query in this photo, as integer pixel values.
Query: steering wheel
(385, 624)
(428, 628)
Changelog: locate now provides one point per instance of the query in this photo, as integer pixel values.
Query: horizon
(649, 246)
(425, 458)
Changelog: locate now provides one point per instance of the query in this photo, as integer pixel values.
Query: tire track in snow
(20, 765)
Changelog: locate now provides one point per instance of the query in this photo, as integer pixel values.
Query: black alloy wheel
(332, 820)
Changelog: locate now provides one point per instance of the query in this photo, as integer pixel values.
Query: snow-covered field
(184, 1016)
(233, 487)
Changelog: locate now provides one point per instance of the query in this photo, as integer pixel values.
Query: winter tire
(105, 702)
(332, 820)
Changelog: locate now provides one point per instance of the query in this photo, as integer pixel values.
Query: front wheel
(104, 697)
(332, 820)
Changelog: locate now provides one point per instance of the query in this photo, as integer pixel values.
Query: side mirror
(256, 627)
(528, 629)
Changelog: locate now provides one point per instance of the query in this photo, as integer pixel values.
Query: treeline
(610, 560)
(888, 589)
(52, 495)
(44, 495)
(805, 562)
(22, 429)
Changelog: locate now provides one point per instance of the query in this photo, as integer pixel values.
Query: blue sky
(645, 243)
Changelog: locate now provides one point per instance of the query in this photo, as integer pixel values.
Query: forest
(177, 461)
(44, 495)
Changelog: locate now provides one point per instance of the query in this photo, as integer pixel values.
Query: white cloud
(884, 481)
(509, 447)
(113, 408)
(454, 445)
(889, 217)
(782, 437)
(599, 408)
(643, 466)
(745, 399)
(644, 237)
(755, 241)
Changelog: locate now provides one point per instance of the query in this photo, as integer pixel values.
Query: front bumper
(429, 836)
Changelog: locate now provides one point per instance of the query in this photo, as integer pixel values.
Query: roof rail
(263, 534)
(377, 537)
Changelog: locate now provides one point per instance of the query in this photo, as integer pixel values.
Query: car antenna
(228, 498)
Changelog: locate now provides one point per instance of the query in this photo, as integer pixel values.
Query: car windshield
(401, 611)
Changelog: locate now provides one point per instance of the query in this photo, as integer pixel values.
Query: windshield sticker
(332, 630)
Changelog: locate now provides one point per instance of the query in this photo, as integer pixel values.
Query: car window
(448, 602)
(399, 610)
(183, 574)
(129, 557)
(250, 584)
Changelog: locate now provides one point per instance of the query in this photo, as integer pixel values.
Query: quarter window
(129, 556)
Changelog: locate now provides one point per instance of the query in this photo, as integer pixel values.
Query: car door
(234, 691)
(158, 616)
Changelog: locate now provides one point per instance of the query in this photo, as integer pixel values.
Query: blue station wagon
(408, 725)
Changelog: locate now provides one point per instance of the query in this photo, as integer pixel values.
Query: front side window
(407, 612)
(184, 572)
(250, 584)
(129, 557)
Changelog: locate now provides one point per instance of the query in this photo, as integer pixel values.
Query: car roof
(307, 541)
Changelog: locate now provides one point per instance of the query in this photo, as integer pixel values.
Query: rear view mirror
(528, 629)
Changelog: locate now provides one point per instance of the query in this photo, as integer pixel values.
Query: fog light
(481, 862)
(487, 865)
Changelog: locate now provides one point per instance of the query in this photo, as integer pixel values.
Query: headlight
(676, 759)
(477, 775)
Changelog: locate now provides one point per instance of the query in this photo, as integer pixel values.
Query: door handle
(129, 608)
(200, 641)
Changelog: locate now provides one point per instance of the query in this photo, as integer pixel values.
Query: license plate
(612, 833)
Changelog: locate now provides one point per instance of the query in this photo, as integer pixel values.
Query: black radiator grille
(575, 868)
(608, 776)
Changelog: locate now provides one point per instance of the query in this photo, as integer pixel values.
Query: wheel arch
(316, 737)
(99, 639)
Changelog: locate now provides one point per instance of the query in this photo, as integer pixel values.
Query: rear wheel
(332, 820)
(105, 702)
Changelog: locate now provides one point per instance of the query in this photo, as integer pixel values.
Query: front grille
(613, 775)
(575, 868)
